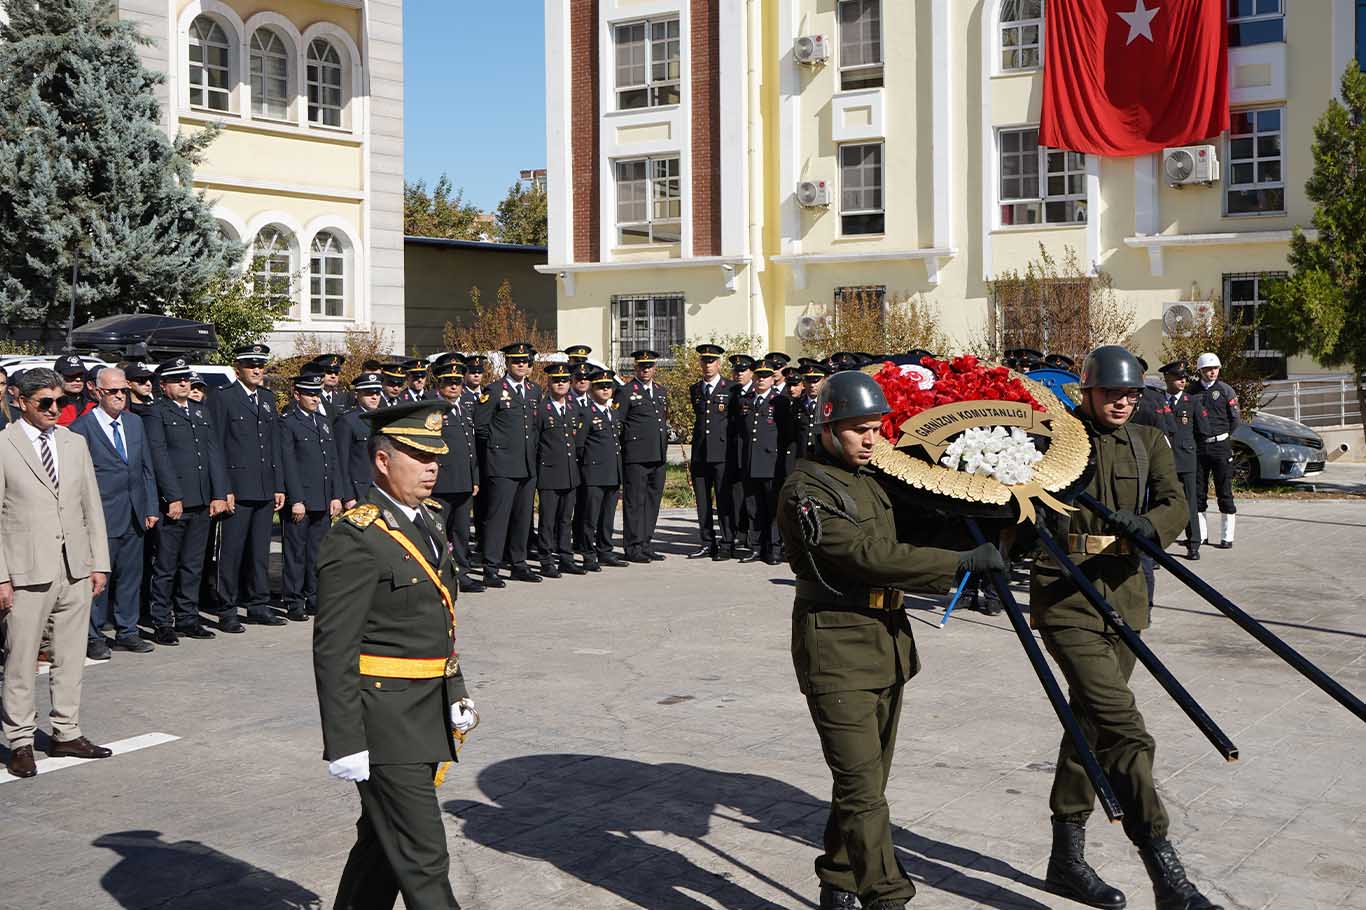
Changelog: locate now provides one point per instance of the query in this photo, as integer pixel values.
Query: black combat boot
(833, 898)
(1171, 889)
(1071, 876)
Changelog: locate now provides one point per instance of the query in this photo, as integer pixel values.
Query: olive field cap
(416, 424)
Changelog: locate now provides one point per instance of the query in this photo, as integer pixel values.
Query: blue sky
(474, 91)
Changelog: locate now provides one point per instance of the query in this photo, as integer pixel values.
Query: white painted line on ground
(121, 747)
(45, 669)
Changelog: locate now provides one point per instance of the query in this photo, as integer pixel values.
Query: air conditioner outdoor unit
(809, 326)
(1190, 164)
(1185, 315)
(811, 50)
(813, 194)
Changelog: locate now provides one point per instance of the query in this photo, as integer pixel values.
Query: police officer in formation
(1214, 446)
(742, 381)
(563, 431)
(192, 486)
(352, 432)
(710, 396)
(457, 480)
(643, 409)
(335, 399)
(765, 415)
(506, 428)
(249, 436)
(392, 384)
(312, 493)
(601, 474)
(1186, 416)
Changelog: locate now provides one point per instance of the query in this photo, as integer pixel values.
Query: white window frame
(1074, 167)
(1256, 303)
(333, 251)
(313, 79)
(881, 189)
(862, 71)
(262, 98)
(267, 268)
(1257, 17)
(661, 339)
(651, 86)
(1018, 26)
(195, 43)
(1257, 160)
(654, 199)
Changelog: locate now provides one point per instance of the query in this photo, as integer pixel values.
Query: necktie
(1173, 401)
(420, 521)
(118, 442)
(314, 415)
(48, 463)
(521, 391)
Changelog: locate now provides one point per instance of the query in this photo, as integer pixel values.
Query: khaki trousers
(66, 604)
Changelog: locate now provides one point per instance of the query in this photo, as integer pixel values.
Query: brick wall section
(586, 148)
(706, 128)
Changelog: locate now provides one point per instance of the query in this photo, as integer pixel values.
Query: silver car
(1271, 448)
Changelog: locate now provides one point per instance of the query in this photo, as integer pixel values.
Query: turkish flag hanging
(1129, 77)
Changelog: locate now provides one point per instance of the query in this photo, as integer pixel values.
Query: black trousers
(642, 493)
(1217, 459)
(733, 489)
(122, 594)
(761, 502)
(301, 541)
(458, 508)
(1189, 480)
(179, 565)
(708, 486)
(557, 525)
(400, 844)
(597, 522)
(509, 521)
(580, 507)
(244, 560)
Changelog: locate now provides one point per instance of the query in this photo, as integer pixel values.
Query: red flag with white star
(1129, 77)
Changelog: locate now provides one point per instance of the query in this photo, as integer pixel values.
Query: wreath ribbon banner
(932, 429)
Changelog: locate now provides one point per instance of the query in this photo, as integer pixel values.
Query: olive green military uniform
(379, 607)
(1092, 657)
(853, 651)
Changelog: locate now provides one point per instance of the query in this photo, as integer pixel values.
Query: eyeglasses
(1129, 395)
(45, 404)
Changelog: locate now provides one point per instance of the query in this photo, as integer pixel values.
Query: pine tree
(521, 216)
(88, 176)
(1321, 308)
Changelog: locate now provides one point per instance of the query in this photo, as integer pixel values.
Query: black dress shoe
(571, 568)
(550, 572)
(231, 627)
(1192, 553)
(491, 580)
(704, 550)
(195, 631)
(471, 586)
(97, 650)
(522, 573)
(718, 555)
(1225, 545)
(638, 557)
(833, 898)
(296, 616)
(656, 557)
(165, 635)
(773, 560)
(592, 567)
(268, 619)
(21, 763)
(615, 561)
(133, 645)
(80, 747)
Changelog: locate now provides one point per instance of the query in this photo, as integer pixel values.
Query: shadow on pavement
(188, 875)
(585, 815)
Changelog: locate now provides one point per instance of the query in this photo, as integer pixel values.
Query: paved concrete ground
(644, 745)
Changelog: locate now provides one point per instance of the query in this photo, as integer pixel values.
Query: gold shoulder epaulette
(436, 504)
(483, 398)
(362, 516)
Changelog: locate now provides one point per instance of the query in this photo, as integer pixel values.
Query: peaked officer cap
(710, 351)
(252, 353)
(175, 368)
(416, 424)
(367, 382)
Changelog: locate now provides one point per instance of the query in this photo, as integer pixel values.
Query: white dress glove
(351, 767)
(463, 716)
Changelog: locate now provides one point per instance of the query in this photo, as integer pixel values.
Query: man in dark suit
(1187, 412)
(505, 424)
(563, 428)
(391, 693)
(334, 398)
(192, 487)
(353, 439)
(415, 371)
(600, 466)
(710, 397)
(764, 413)
(248, 430)
(457, 478)
(312, 493)
(643, 408)
(733, 485)
(124, 474)
(473, 390)
(806, 422)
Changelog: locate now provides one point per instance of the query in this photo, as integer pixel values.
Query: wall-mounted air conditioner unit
(811, 50)
(1190, 164)
(1185, 315)
(813, 194)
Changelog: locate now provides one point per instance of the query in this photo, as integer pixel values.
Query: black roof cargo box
(137, 335)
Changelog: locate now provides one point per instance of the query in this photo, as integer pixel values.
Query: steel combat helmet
(849, 394)
(1111, 367)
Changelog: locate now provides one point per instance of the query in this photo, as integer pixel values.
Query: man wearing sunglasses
(47, 488)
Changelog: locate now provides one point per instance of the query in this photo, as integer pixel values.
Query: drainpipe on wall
(758, 316)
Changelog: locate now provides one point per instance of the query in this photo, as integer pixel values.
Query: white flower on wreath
(923, 377)
(1007, 455)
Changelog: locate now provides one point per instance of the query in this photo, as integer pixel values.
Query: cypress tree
(88, 176)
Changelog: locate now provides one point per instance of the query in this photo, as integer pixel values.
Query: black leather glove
(985, 558)
(1133, 525)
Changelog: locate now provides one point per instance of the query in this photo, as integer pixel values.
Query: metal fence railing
(1327, 402)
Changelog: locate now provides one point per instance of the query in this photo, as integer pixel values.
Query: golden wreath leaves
(1066, 458)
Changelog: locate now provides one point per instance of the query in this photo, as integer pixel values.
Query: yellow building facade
(745, 160)
(307, 170)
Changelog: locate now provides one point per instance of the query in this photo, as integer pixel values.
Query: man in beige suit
(54, 555)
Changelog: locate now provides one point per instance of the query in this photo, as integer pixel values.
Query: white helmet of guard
(1207, 359)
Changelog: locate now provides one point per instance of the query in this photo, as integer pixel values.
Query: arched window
(210, 69)
(269, 75)
(273, 265)
(325, 96)
(327, 276)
